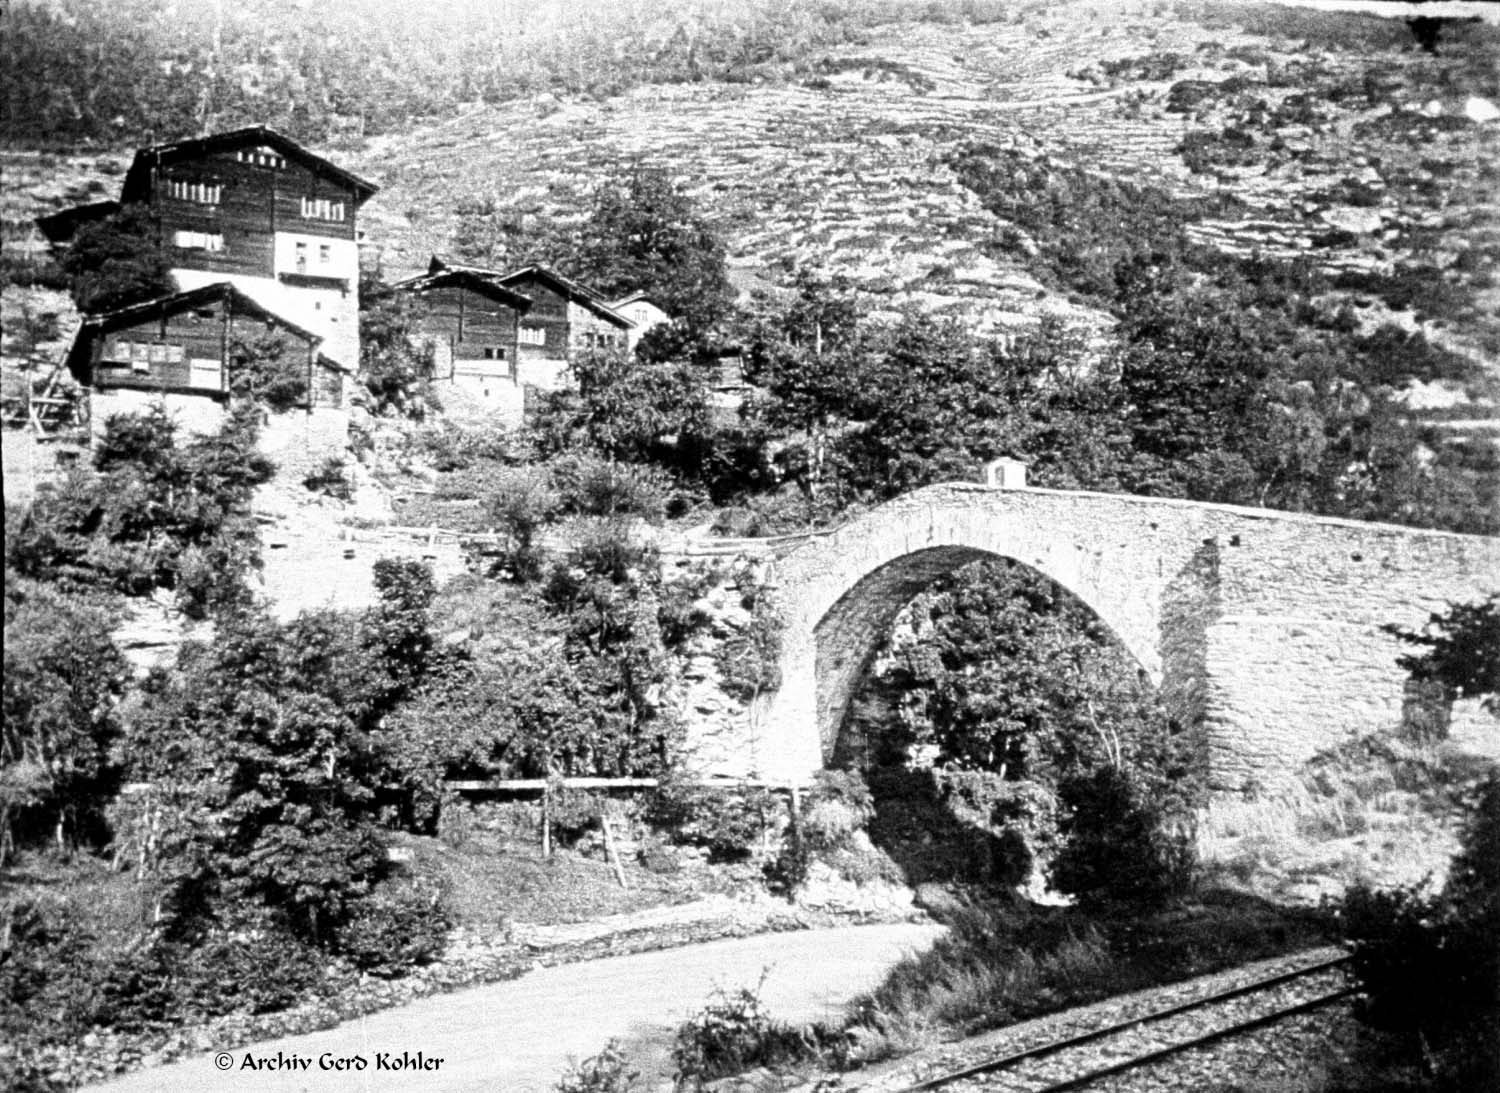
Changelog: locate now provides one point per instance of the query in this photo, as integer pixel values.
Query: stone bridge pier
(1261, 629)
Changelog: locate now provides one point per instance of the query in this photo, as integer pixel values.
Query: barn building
(497, 335)
(472, 323)
(262, 238)
(256, 209)
(566, 319)
(190, 351)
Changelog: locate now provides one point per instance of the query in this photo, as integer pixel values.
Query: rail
(1053, 1047)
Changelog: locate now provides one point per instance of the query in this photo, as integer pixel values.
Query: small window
(158, 354)
(322, 208)
(261, 157)
(494, 352)
(532, 335)
(325, 254)
(174, 354)
(301, 257)
(140, 357)
(209, 241)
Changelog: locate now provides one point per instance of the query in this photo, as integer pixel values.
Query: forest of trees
(90, 71)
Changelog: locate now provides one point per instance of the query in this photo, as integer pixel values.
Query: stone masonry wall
(1262, 628)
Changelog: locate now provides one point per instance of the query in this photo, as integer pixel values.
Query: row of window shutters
(211, 193)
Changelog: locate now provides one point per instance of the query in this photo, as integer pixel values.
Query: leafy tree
(267, 368)
(1039, 726)
(118, 261)
(1115, 847)
(521, 502)
(262, 749)
(394, 362)
(626, 409)
(644, 232)
(154, 513)
(1462, 651)
(936, 403)
(62, 682)
(809, 359)
(1429, 965)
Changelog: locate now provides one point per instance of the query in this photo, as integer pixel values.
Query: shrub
(1116, 847)
(838, 806)
(265, 368)
(606, 1072)
(63, 677)
(750, 660)
(732, 1034)
(329, 479)
(1430, 965)
(606, 549)
(396, 927)
(521, 503)
(600, 487)
(730, 823)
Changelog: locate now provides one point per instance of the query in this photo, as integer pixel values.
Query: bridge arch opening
(851, 632)
(975, 694)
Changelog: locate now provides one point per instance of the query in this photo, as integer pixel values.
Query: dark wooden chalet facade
(189, 344)
(253, 207)
(565, 317)
(473, 319)
(223, 202)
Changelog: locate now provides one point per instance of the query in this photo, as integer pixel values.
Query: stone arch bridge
(1261, 629)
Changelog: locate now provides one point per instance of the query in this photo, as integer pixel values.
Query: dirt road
(518, 1036)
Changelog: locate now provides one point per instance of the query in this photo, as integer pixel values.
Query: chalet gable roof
(570, 290)
(642, 296)
(137, 179)
(485, 282)
(61, 226)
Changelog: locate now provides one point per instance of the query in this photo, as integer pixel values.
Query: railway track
(1151, 1035)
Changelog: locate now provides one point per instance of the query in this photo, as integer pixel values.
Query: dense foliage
(1233, 381)
(1462, 651)
(268, 729)
(63, 675)
(117, 261)
(84, 70)
(395, 363)
(152, 513)
(1042, 729)
(1430, 964)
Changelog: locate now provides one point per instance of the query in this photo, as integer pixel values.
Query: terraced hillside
(1358, 150)
(1331, 137)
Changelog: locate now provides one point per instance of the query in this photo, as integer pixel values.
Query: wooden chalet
(240, 203)
(186, 345)
(253, 207)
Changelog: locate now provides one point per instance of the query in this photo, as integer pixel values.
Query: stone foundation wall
(300, 442)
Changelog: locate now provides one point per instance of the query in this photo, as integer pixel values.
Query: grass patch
(1002, 961)
(1380, 810)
